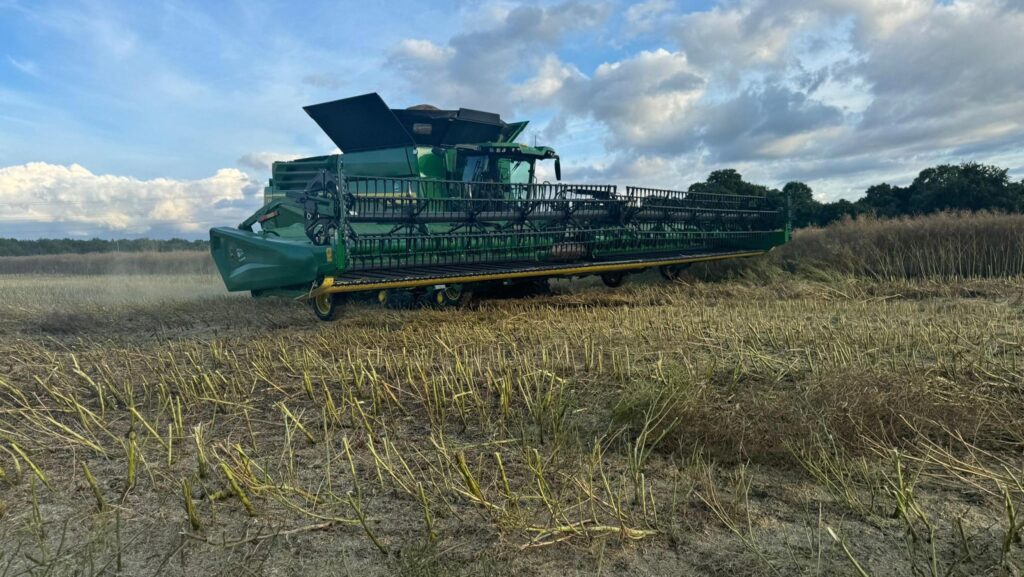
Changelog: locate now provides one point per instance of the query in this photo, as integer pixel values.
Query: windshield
(475, 170)
(490, 168)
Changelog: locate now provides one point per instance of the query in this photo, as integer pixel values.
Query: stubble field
(775, 424)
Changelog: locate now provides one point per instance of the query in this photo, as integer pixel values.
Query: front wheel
(456, 296)
(326, 306)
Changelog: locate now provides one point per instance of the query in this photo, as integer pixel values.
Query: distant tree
(886, 200)
(728, 181)
(804, 210)
(834, 211)
(16, 247)
(968, 186)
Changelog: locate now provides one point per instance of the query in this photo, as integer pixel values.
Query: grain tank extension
(428, 205)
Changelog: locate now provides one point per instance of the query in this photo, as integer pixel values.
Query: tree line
(16, 247)
(969, 186)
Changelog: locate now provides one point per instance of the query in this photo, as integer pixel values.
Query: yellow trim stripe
(328, 284)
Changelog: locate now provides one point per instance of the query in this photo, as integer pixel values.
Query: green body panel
(252, 261)
(293, 175)
(387, 162)
(514, 130)
(431, 165)
(444, 187)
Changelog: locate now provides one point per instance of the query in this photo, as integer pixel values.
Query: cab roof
(365, 122)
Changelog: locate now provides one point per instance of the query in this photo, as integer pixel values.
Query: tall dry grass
(941, 246)
(177, 263)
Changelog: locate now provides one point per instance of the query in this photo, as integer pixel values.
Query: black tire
(453, 296)
(420, 297)
(537, 287)
(397, 299)
(613, 279)
(326, 306)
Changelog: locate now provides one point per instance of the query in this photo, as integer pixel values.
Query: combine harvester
(428, 206)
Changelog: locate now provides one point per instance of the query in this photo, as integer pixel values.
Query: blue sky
(160, 118)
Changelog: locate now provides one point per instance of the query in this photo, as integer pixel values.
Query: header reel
(320, 207)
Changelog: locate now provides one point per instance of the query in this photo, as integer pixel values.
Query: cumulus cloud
(628, 169)
(263, 161)
(767, 122)
(57, 197)
(733, 40)
(658, 102)
(645, 16)
(550, 79)
(795, 84)
(646, 100)
(413, 52)
(508, 66)
(946, 60)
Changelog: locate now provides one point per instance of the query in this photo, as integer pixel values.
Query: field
(850, 405)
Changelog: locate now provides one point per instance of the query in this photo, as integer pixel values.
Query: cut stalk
(101, 504)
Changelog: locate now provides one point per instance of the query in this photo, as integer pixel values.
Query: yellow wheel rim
(323, 303)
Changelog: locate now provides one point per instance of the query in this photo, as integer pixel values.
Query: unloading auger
(428, 205)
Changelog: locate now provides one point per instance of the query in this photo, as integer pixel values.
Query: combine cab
(428, 204)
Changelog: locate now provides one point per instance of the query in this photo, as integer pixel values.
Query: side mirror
(558, 168)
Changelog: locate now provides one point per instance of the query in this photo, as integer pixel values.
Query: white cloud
(422, 51)
(50, 195)
(507, 65)
(733, 40)
(26, 66)
(263, 161)
(820, 88)
(549, 80)
(646, 100)
(642, 170)
(645, 16)
(884, 18)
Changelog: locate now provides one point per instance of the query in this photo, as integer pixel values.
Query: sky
(161, 118)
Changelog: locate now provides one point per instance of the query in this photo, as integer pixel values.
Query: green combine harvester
(430, 206)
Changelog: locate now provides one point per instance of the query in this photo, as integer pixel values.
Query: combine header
(428, 205)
